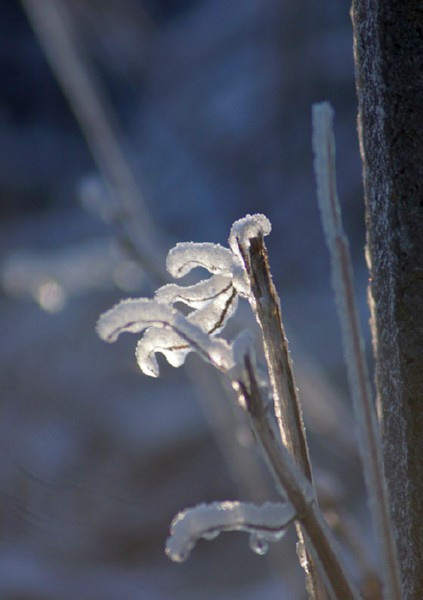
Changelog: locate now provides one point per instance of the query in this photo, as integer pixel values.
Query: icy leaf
(136, 315)
(187, 255)
(215, 300)
(173, 347)
(218, 300)
(266, 523)
(197, 295)
(213, 317)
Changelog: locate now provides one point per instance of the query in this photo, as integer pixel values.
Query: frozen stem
(298, 488)
(265, 304)
(365, 414)
(266, 307)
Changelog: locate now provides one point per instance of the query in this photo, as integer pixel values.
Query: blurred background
(209, 103)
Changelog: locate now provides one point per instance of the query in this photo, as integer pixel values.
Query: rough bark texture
(388, 37)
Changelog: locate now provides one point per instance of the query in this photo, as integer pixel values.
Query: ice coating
(266, 523)
(133, 315)
(218, 300)
(188, 255)
(324, 167)
(213, 317)
(136, 315)
(243, 346)
(197, 295)
(166, 342)
(246, 228)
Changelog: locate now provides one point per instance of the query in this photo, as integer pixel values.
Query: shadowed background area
(213, 101)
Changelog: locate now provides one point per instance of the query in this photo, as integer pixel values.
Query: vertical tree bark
(388, 41)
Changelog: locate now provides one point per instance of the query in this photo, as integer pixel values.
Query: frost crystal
(267, 523)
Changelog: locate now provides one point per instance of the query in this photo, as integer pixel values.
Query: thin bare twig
(266, 307)
(368, 431)
(298, 488)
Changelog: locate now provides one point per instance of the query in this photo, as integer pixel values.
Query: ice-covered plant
(213, 301)
(241, 270)
(167, 331)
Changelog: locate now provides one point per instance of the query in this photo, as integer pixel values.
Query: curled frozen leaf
(165, 342)
(196, 296)
(188, 255)
(136, 315)
(266, 523)
(213, 302)
(133, 315)
(218, 301)
(213, 317)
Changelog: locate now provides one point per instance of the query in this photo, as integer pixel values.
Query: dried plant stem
(298, 488)
(54, 27)
(368, 430)
(266, 306)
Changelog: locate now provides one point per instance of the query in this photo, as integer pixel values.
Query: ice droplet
(258, 544)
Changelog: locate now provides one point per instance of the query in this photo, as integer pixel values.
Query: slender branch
(298, 488)
(54, 27)
(266, 306)
(365, 414)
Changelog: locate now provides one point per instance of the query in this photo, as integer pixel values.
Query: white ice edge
(186, 256)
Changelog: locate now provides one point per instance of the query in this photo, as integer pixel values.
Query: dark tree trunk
(388, 37)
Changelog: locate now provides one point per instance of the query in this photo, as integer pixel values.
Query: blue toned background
(213, 99)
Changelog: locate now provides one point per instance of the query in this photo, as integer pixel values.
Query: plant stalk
(370, 443)
(265, 304)
(298, 488)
